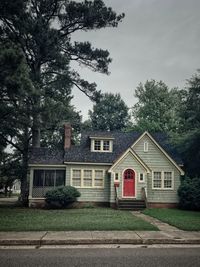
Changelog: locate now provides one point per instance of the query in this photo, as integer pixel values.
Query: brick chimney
(67, 135)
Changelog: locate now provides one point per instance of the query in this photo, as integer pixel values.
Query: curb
(39, 242)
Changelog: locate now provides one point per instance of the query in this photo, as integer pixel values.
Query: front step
(131, 204)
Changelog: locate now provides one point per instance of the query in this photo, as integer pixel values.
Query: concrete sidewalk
(98, 237)
(167, 235)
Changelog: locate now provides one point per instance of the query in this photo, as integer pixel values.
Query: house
(16, 187)
(110, 168)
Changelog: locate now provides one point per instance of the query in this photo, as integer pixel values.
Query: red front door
(129, 183)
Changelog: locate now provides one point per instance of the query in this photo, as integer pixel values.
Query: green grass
(182, 219)
(25, 219)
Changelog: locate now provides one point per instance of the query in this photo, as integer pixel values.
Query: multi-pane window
(167, 180)
(101, 145)
(162, 180)
(98, 178)
(76, 178)
(87, 178)
(97, 145)
(157, 182)
(48, 178)
(106, 145)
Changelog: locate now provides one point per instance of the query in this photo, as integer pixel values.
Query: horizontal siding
(157, 161)
(91, 194)
(164, 196)
(154, 158)
(127, 162)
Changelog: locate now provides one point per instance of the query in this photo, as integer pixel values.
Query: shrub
(62, 196)
(189, 194)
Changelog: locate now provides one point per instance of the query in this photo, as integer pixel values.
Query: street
(138, 256)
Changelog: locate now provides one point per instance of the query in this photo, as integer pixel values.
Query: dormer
(101, 144)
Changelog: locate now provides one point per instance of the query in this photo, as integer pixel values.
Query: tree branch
(11, 143)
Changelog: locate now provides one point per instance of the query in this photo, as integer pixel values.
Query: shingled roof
(82, 153)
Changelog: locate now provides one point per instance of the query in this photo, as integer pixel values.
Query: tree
(39, 31)
(189, 141)
(110, 113)
(9, 170)
(43, 29)
(157, 108)
(15, 103)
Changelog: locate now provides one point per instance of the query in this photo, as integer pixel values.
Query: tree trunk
(36, 131)
(24, 172)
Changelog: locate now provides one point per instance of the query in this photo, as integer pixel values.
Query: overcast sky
(158, 39)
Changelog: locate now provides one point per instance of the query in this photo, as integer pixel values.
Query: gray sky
(158, 39)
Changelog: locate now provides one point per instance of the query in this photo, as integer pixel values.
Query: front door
(129, 183)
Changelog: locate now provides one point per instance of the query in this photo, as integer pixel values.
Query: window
(101, 145)
(141, 177)
(60, 178)
(97, 145)
(129, 174)
(76, 178)
(98, 178)
(48, 178)
(38, 178)
(157, 182)
(146, 146)
(87, 178)
(162, 180)
(116, 178)
(167, 180)
(106, 145)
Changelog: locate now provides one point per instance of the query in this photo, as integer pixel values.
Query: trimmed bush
(62, 196)
(189, 194)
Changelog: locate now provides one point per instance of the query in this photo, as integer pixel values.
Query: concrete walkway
(161, 225)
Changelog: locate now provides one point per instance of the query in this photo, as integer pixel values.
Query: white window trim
(146, 146)
(115, 176)
(141, 181)
(93, 178)
(101, 144)
(162, 180)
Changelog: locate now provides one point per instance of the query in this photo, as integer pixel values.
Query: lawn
(25, 219)
(182, 219)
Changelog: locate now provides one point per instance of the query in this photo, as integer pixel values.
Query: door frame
(123, 183)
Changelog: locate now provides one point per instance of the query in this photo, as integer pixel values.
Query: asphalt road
(183, 257)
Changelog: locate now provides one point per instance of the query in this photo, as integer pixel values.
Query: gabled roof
(81, 153)
(138, 159)
(160, 148)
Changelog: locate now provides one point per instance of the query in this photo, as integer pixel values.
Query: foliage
(183, 219)
(36, 50)
(9, 171)
(189, 194)
(110, 113)
(62, 195)
(189, 138)
(99, 219)
(157, 107)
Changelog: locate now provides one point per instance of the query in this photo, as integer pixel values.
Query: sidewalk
(167, 235)
(98, 237)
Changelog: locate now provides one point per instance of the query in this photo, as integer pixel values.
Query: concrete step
(131, 204)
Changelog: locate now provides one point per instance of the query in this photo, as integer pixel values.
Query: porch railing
(116, 197)
(144, 196)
